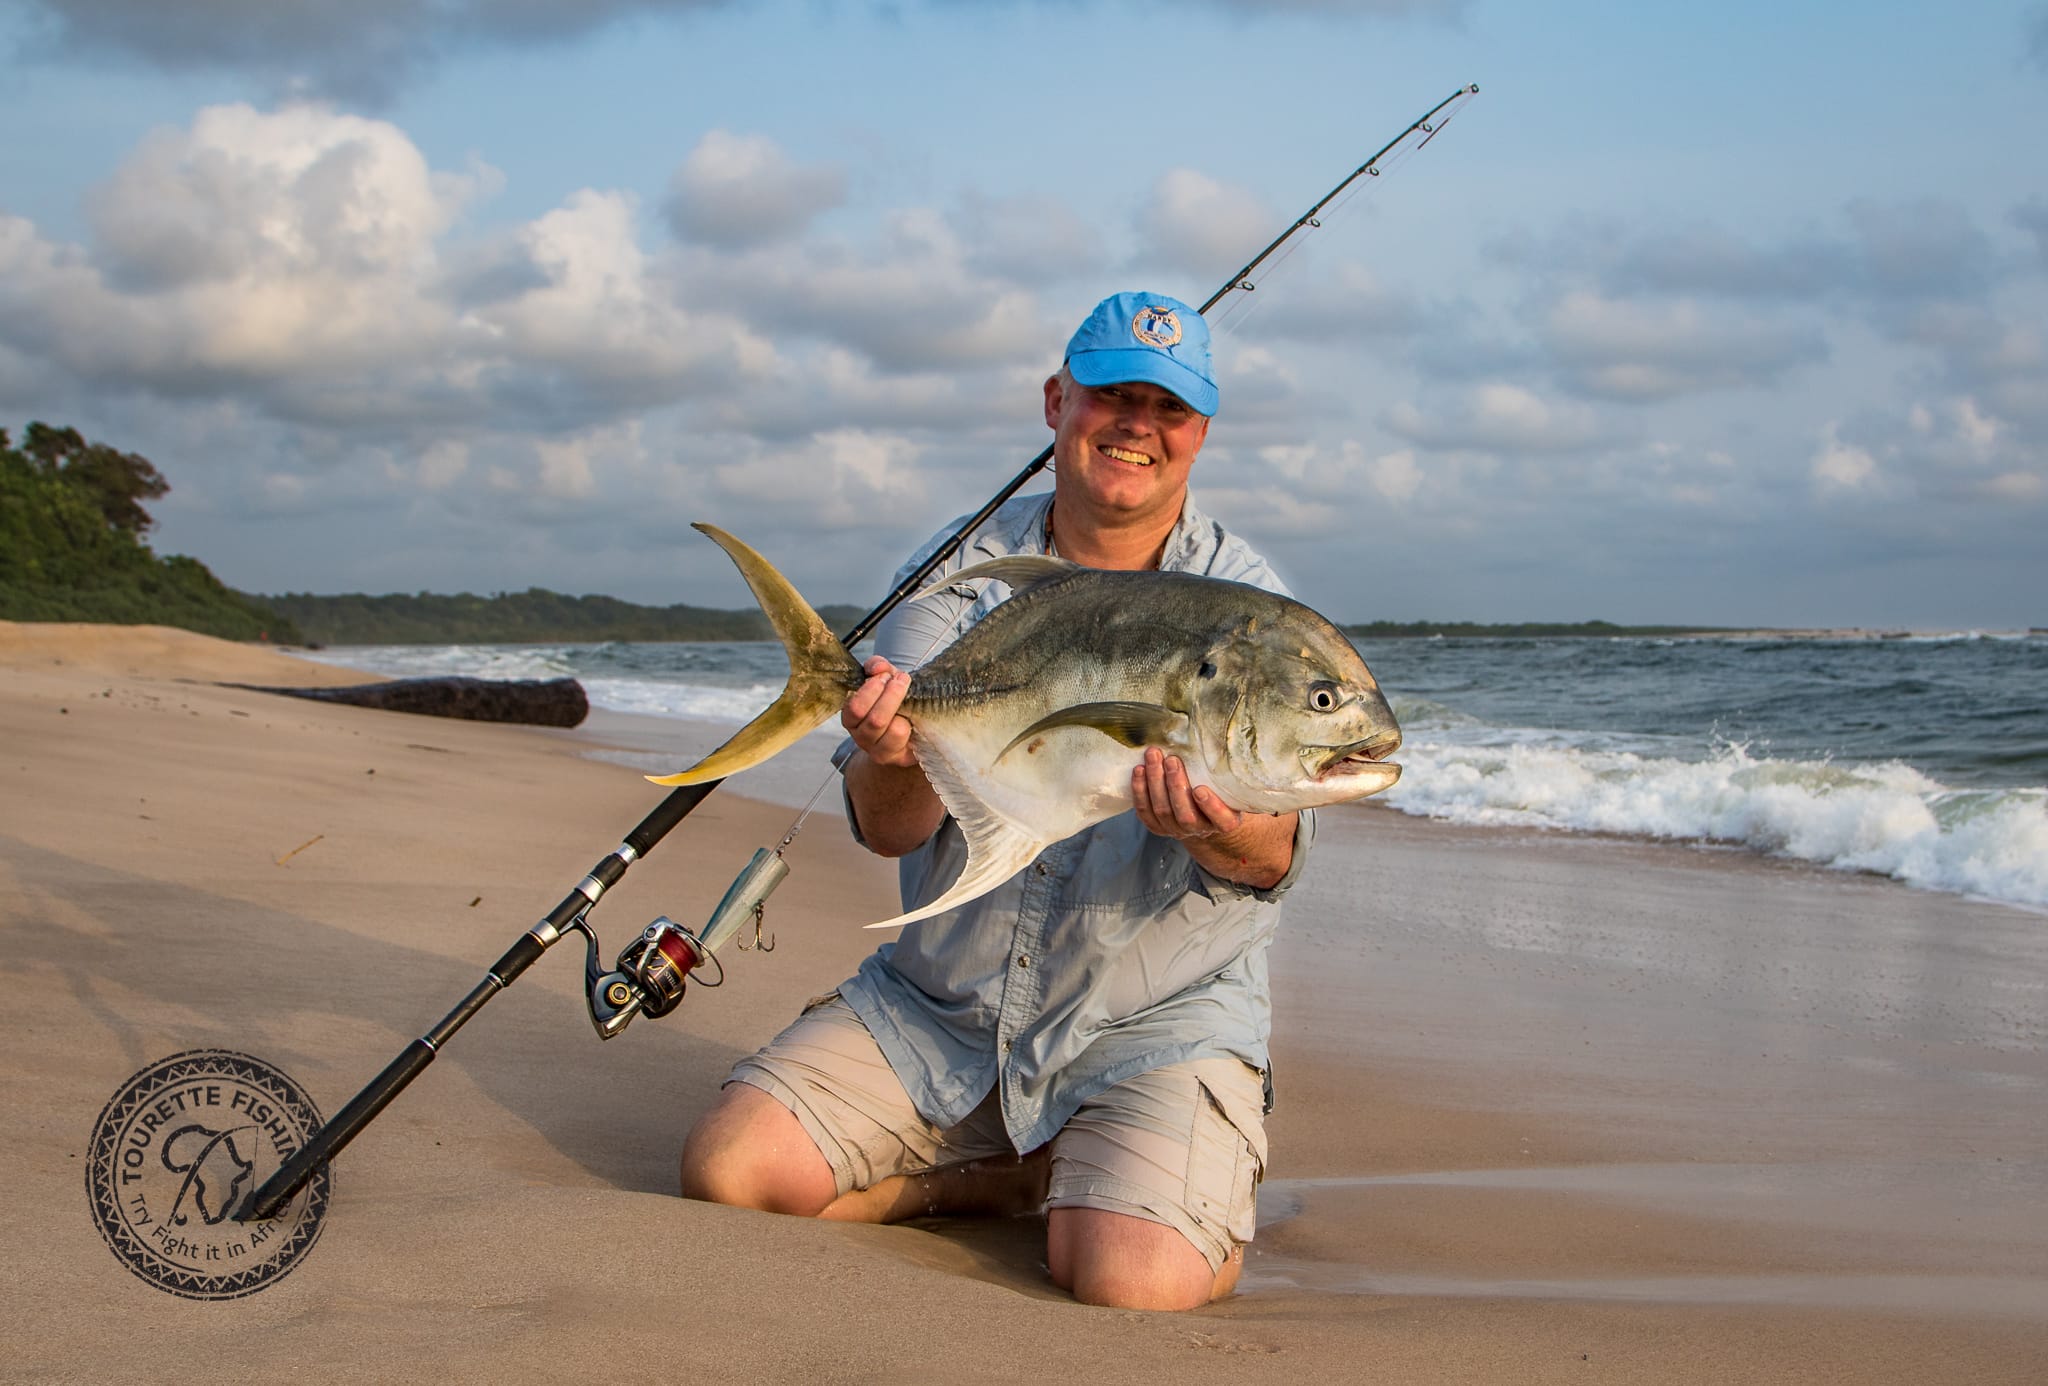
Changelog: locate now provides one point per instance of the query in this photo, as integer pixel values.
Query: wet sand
(1551, 1108)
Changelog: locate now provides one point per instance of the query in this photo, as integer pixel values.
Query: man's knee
(1126, 1262)
(750, 1151)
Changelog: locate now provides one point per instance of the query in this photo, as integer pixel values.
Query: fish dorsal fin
(1020, 570)
(997, 849)
(1134, 724)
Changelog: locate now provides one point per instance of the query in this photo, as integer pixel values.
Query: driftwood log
(536, 702)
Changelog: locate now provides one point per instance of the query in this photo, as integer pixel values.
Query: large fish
(1028, 726)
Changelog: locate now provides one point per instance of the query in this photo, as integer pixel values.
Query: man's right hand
(893, 804)
(871, 719)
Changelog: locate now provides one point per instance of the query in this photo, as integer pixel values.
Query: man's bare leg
(1126, 1262)
(750, 1151)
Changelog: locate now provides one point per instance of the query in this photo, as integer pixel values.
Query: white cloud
(253, 246)
(2024, 487)
(302, 260)
(1632, 349)
(1499, 417)
(842, 477)
(1842, 466)
(1194, 223)
(741, 190)
(442, 464)
(1395, 475)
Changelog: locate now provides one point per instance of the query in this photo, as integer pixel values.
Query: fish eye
(1207, 671)
(1323, 696)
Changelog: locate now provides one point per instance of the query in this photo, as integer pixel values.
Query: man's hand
(1251, 849)
(869, 715)
(893, 803)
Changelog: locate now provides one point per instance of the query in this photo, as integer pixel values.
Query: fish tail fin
(821, 672)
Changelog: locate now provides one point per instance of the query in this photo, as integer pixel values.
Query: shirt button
(1023, 960)
(1043, 868)
(1006, 1046)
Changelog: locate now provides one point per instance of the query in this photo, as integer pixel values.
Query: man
(1091, 1036)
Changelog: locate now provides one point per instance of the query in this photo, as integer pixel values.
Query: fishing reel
(649, 976)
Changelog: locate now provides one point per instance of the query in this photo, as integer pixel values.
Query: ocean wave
(698, 701)
(1887, 818)
(461, 661)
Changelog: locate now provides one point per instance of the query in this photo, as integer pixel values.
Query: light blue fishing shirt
(1111, 954)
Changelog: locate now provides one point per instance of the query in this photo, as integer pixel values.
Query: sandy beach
(1551, 1108)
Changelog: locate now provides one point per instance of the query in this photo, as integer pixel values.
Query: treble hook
(760, 945)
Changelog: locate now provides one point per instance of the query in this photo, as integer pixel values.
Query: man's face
(1124, 451)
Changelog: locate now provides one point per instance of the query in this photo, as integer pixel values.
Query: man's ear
(1053, 397)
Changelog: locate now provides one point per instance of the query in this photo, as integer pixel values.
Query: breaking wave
(1886, 817)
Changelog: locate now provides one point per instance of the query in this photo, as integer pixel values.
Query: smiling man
(1089, 1038)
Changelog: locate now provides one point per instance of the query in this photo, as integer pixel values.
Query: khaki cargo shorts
(1183, 1145)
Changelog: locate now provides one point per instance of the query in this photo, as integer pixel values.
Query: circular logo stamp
(177, 1152)
(1157, 326)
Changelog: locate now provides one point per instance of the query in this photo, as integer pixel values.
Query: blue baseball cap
(1147, 337)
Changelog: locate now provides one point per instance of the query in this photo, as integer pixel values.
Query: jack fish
(1028, 726)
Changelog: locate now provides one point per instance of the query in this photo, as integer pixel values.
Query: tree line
(72, 521)
(535, 616)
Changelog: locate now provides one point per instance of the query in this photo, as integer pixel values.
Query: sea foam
(1887, 818)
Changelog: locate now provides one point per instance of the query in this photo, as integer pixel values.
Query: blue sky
(1730, 315)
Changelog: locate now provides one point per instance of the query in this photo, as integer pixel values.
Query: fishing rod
(649, 974)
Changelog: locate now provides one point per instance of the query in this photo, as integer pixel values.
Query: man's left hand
(1168, 805)
(1252, 849)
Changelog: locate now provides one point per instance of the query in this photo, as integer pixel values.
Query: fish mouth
(1361, 757)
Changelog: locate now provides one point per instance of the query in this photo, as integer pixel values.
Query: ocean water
(1921, 758)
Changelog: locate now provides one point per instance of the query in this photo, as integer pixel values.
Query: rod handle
(292, 1175)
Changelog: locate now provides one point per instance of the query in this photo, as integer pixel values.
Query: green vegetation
(71, 546)
(535, 616)
(1408, 630)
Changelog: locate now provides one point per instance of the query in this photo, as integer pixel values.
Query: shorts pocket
(1223, 1170)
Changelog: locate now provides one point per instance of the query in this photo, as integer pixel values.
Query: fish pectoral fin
(1022, 571)
(1133, 724)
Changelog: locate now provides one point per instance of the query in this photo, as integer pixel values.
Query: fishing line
(1381, 166)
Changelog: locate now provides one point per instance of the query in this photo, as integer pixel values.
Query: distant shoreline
(1361, 632)
(1699, 633)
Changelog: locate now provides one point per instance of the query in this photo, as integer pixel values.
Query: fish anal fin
(992, 858)
(1133, 724)
(997, 848)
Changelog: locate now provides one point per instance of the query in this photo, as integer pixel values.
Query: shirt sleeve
(907, 637)
(1222, 888)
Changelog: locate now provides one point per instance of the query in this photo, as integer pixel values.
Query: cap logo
(1156, 327)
